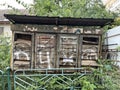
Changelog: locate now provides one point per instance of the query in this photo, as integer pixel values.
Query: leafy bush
(5, 44)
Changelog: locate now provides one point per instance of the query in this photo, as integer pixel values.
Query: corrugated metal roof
(40, 20)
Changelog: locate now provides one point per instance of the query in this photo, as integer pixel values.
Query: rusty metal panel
(69, 21)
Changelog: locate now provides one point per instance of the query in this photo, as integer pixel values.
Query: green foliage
(103, 78)
(71, 8)
(108, 75)
(54, 83)
(116, 21)
(67, 8)
(5, 45)
(118, 48)
(86, 84)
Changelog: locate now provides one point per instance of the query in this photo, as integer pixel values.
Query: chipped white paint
(18, 53)
(46, 61)
(89, 54)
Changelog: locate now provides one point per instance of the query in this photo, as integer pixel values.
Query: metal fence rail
(48, 79)
(42, 79)
(1, 80)
(5, 79)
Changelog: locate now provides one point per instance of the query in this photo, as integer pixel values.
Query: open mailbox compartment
(91, 45)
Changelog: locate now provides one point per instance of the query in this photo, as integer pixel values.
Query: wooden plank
(89, 63)
(22, 62)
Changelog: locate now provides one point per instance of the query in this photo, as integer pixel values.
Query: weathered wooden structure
(55, 42)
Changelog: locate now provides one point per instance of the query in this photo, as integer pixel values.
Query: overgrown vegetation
(72, 8)
(66, 8)
(5, 46)
(106, 77)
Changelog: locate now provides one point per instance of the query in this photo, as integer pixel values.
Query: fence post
(14, 81)
(2, 79)
(8, 78)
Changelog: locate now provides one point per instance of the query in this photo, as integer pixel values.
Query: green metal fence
(5, 79)
(48, 79)
(1, 80)
(42, 79)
